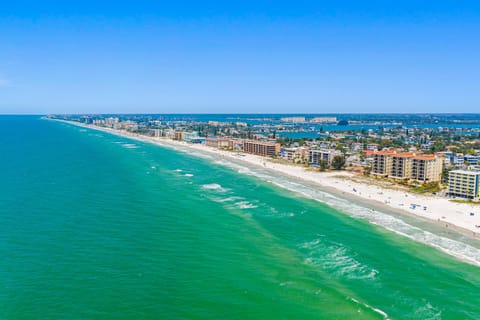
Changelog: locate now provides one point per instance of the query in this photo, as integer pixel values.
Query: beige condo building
(382, 163)
(407, 166)
(427, 168)
(401, 165)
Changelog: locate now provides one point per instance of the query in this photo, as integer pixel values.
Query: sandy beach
(463, 217)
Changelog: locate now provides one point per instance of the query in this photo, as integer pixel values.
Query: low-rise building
(191, 137)
(288, 153)
(297, 154)
(316, 156)
(471, 159)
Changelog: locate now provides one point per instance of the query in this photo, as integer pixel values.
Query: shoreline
(440, 212)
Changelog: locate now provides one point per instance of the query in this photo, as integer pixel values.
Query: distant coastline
(439, 212)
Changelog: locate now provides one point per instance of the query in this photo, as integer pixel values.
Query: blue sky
(239, 56)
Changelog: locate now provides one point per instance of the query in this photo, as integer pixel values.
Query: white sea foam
(214, 186)
(198, 154)
(284, 284)
(427, 311)
(337, 259)
(129, 145)
(381, 312)
(245, 205)
(188, 175)
(272, 212)
(221, 162)
(178, 170)
(228, 199)
(245, 171)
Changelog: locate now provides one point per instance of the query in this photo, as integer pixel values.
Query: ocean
(96, 226)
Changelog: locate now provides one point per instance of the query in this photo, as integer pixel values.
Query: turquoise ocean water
(94, 226)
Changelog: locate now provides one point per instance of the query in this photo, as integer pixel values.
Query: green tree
(340, 147)
(445, 172)
(323, 165)
(338, 162)
(437, 146)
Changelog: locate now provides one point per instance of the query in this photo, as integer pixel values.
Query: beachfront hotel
(261, 148)
(407, 166)
(464, 183)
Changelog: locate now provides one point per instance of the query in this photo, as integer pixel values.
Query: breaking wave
(337, 259)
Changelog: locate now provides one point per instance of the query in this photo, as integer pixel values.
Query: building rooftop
(425, 157)
(463, 171)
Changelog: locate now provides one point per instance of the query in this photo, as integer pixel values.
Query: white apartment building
(464, 183)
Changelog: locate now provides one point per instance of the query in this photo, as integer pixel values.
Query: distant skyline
(240, 57)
